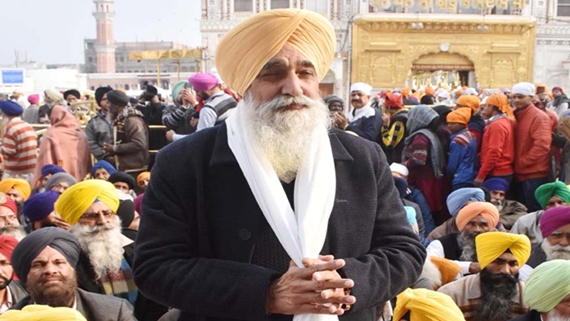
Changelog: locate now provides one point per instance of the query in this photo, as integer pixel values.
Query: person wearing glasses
(90, 208)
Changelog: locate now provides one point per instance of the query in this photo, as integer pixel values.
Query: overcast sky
(52, 31)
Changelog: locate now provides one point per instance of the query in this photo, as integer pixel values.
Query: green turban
(547, 285)
(546, 191)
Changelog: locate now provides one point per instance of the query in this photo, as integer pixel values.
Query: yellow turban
(427, 305)
(42, 313)
(18, 184)
(245, 49)
(491, 245)
(470, 101)
(79, 197)
(472, 210)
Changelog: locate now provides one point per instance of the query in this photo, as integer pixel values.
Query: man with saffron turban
(426, 305)
(90, 208)
(548, 195)
(495, 293)
(547, 292)
(472, 220)
(476, 125)
(223, 202)
(17, 189)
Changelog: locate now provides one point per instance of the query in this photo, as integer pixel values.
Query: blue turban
(105, 165)
(496, 184)
(457, 199)
(11, 108)
(51, 169)
(40, 205)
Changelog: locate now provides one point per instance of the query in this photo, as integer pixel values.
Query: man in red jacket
(498, 147)
(533, 137)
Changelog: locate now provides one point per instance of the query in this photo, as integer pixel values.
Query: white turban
(400, 169)
(361, 86)
(470, 91)
(443, 94)
(523, 88)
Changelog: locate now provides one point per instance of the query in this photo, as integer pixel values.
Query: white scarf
(364, 112)
(302, 233)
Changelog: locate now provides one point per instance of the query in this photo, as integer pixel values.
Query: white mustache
(284, 101)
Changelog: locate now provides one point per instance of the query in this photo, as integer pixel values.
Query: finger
(313, 298)
(326, 276)
(326, 285)
(311, 308)
(326, 258)
(331, 266)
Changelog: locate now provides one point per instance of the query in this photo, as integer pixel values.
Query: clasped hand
(315, 289)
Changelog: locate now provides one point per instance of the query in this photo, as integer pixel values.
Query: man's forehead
(479, 218)
(563, 229)
(507, 257)
(49, 252)
(287, 56)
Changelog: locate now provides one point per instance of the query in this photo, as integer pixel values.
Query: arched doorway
(442, 69)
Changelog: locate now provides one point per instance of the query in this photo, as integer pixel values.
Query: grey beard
(555, 252)
(17, 232)
(554, 315)
(467, 243)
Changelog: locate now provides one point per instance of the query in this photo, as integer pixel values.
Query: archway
(442, 69)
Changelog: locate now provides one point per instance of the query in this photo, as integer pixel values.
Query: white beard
(555, 252)
(284, 136)
(554, 315)
(103, 245)
(16, 232)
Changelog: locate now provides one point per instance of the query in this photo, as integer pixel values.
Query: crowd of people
(271, 203)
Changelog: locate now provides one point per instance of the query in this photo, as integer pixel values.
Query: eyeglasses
(95, 215)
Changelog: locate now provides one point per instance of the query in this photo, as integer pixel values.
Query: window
(127, 87)
(243, 5)
(90, 59)
(280, 4)
(563, 8)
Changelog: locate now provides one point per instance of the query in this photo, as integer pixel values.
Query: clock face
(444, 46)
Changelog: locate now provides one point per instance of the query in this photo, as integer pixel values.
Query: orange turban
(142, 176)
(394, 100)
(246, 48)
(470, 101)
(461, 116)
(447, 268)
(458, 93)
(472, 210)
(406, 92)
(430, 91)
(18, 184)
(502, 102)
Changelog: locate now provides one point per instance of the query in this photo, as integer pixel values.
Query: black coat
(531, 315)
(201, 223)
(95, 307)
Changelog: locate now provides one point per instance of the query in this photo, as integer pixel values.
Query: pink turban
(553, 219)
(203, 81)
(34, 99)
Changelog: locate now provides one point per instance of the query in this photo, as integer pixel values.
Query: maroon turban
(553, 219)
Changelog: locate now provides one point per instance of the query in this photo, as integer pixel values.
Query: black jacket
(95, 307)
(531, 315)
(201, 225)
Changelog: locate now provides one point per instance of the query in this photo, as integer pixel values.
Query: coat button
(244, 234)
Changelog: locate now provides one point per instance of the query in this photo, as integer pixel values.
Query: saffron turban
(545, 192)
(105, 165)
(429, 91)
(472, 210)
(502, 102)
(51, 169)
(553, 219)
(460, 115)
(30, 246)
(547, 285)
(496, 184)
(457, 199)
(447, 268)
(79, 197)
(245, 49)
(406, 92)
(394, 100)
(40, 205)
(470, 101)
(427, 305)
(7, 245)
(37, 312)
(142, 176)
(491, 245)
(22, 186)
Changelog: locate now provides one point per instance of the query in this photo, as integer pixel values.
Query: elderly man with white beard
(555, 230)
(236, 217)
(90, 208)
